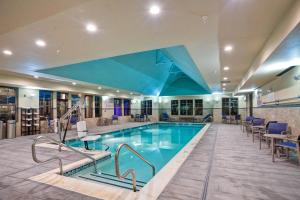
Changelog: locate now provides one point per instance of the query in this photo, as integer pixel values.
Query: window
(8, 103)
(45, 102)
(117, 107)
(174, 107)
(74, 99)
(230, 106)
(127, 107)
(62, 103)
(186, 107)
(98, 106)
(146, 107)
(198, 107)
(88, 106)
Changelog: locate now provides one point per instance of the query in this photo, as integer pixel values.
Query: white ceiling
(126, 27)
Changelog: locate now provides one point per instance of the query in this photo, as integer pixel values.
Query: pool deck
(224, 165)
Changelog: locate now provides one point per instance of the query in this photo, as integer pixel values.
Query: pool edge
(150, 191)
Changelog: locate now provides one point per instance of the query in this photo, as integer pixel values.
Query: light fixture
(226, 68)
(118, 91)
(90, 27)
(7, 52)
(154, 10)
(40, 43)
(35, 76)
(224, 84)
(225, 78)
(99, 88)
(228, 48)
(73, 83)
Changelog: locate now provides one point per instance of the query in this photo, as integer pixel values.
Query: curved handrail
(60, 145)
(107, 146)
(130, 171)
(35, 159)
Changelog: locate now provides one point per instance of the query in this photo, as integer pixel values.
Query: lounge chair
(207, 118)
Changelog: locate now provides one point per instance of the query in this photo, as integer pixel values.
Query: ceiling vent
(225, 81)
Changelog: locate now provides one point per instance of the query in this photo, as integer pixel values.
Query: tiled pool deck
(224, 165)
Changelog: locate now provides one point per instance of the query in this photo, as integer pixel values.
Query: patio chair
(286, 146)
(238, 119)
(276, 128)
(263, 131)
(114, 118)
(164, 117)
(247, 122)
(256, 125)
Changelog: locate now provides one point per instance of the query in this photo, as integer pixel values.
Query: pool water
(158, 143)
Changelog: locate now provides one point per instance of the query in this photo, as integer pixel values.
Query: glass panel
(127, 107)
(98, 106)
(118, 107)
(45, 102)
(174, 107)
(198, 107)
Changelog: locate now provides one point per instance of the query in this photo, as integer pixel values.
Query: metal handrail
(130, 171)
(35, 159)
(60, 145)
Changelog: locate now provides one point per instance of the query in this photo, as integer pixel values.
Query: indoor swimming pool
(158, 143)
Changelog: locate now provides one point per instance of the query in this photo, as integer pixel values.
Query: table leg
(298, 151)
(273, 149)
(260, 138)
(86, 145)
(252, 135)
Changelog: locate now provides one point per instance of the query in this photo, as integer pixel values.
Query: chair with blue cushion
(247, 122)
(256, 125)
(285, 146)
(165, 117)
(263, 131)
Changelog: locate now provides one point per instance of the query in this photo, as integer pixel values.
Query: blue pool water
(157, 143)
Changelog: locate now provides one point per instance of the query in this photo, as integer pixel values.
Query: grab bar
(59, 145)
(130, 171)
(35, 159)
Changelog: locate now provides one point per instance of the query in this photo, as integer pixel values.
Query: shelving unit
(30, 121)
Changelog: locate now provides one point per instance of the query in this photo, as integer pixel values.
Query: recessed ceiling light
(90, 27)
(154, 10)
(224, 84)
(118, 91)
(228, 48)
(226, 68)
(73, 83)
(36, 76)
(40, 43)
(99, 88)
(7, 52)
(225, 78)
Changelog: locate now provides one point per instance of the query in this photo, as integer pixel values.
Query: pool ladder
(130, 171)
(34, 157)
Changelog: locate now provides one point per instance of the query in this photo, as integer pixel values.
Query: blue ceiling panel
(154, 72)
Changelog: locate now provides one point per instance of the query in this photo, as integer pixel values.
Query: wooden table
(275, 137)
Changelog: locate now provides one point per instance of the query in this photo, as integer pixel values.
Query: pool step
(113, 180)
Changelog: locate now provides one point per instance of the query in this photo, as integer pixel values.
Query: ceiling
(125, 27)
(160, 72)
